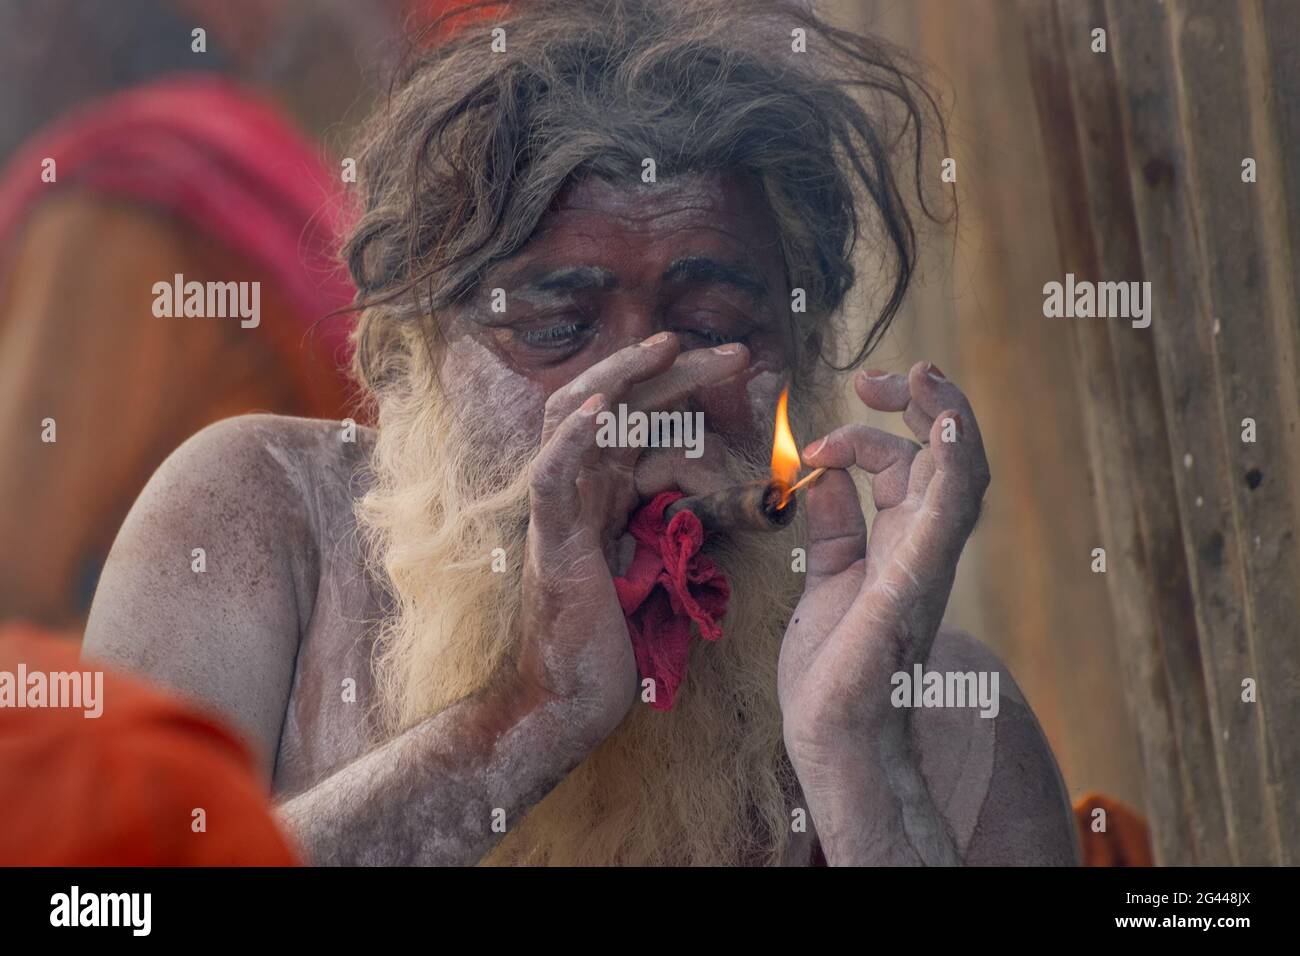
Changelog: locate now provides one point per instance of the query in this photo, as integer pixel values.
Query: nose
(730, 407)
(631, 318)
(666, 469)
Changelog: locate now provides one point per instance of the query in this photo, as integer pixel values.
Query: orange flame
(785, 453)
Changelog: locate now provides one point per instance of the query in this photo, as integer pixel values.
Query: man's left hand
(872, 607)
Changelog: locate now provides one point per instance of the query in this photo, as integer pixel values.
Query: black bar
(481, 907)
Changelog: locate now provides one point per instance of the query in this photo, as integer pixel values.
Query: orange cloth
(121, 789)
(1126, 841)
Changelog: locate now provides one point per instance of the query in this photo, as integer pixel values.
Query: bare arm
(226, 636)
(211, 578)
(435, 794)
(1026, 816)
(948, 786)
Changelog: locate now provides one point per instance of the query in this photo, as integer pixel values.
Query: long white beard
(705, 783)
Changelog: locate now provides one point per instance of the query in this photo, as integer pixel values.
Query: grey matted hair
(473, 146)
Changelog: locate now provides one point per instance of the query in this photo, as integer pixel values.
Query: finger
(953, 496)
(887, 392)
(918, 422)
(948, 441)
(932, 392)
(837, 530)
(887, 457)
(958, 452)
(666, 469)
(947, 503)
(883, 391)
(612, 376)
(671, 390)
(691, 370)
(918, 479)
(553, 474)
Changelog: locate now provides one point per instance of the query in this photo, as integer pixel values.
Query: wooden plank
(1268, 85)
(1139, 538)
(1251, 363)
(1171, 664)
(1152, 107)
(1272, 40)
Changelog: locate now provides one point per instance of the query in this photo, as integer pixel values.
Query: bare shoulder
(989, 766)
(301, 449)
(240, 482)
(213, 575)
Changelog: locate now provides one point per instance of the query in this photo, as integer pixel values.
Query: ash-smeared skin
(428, 797)
(576, 642)
(286, 608)
(872, 606)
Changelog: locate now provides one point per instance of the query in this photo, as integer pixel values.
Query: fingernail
(658, 339)
(875, 373)
(812, 450)
(591, 404)
(731, 348)
(934, 372)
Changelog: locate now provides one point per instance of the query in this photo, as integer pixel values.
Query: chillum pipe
(752, 507)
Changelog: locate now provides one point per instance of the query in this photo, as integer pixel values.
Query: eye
(709, 337)
(558, 336)
(707, 333)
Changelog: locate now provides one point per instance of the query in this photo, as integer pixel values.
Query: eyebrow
(575, 279)
(695, 269)
(702, 269)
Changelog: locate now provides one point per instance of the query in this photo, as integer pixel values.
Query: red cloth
(669, 586)
(1126, 839)
(215, 155)
(121, 789)
(460, 15)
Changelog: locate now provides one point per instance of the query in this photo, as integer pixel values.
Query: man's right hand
(576, 648)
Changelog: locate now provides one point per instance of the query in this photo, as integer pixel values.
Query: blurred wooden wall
(1025, 586)
(1147, 142)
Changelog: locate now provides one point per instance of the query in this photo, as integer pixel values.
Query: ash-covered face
(613, 264)
(610, 267)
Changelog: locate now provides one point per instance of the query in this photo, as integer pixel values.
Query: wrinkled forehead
(730, 198)
(643, 228)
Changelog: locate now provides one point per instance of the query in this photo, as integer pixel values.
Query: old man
(575, 206)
